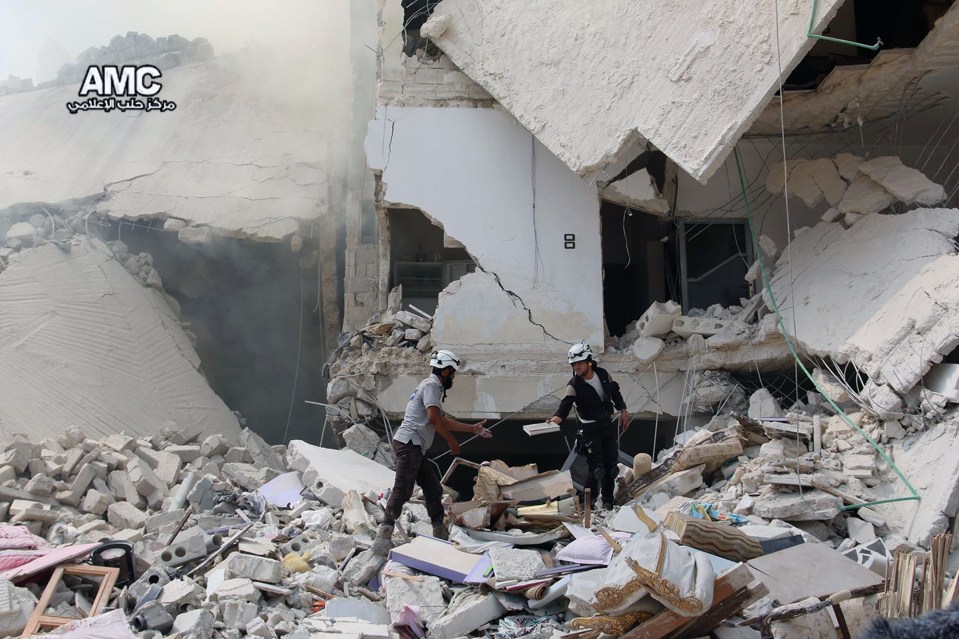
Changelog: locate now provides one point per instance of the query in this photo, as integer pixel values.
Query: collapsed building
(752, 228)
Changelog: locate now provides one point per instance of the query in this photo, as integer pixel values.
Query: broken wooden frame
(734, 590)
(39, 620)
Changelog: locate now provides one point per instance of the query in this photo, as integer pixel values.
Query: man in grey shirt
(424, 417)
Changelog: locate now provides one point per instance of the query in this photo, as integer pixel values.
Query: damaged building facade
(550, 183)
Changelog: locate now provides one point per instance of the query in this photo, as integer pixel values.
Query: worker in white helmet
(595, 395)
(423, 419)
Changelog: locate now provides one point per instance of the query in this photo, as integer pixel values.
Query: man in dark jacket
(595, 394)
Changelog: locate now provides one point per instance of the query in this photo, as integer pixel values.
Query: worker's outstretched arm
(446, 426)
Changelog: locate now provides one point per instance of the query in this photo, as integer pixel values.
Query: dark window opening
(423, 259)
(415, 15)
(715, 256)
(634, 263)
(900, 24)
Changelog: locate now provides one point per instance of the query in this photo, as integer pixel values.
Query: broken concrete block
(883, 400)
(166, 466)
(865, 197)
(907, 184)
(16, 607)
(762, 405)
(194, 624)
(414, 321)
(123, 489)
(427, 595)
(181, 594)
(40, 485)
(214, 445)
(811, 505)
(362, 567)
(246, 476)
(646, 349)
(412, 334)
(125, 515)
(680, 483)
(145, 480)
(342, 607)
(362, 440)
(259, 628)
(862, 532)
(467, 612)
(153, 616)
(262, 453)
(189, 545)
(119, 442)
(96, 502)
(252, 567)
(705, 326)
(186, 452)
(239, 589)
(236, 614)
(658, 319)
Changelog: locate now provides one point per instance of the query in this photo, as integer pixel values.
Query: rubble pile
(267, 541)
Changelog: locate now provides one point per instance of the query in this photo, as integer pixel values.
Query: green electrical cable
(792, 349)
(812, 22)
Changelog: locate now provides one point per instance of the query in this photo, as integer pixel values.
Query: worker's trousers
(600, 445)
(412, 467)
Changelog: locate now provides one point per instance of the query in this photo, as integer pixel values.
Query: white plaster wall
(688, 76)
(472, 170)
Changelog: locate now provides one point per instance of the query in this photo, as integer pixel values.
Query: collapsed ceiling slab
(868, 92)
(688, 77)
(243, 152)
(85, 344)
(877, 294)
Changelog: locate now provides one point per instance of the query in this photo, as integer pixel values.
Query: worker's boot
(440, 531)
(383, 541)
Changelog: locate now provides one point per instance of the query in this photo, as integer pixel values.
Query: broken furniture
(108, 577)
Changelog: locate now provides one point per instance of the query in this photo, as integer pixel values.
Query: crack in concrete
(514, 296)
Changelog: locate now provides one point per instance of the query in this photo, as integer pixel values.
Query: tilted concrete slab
(880, 294)
(82, 343)
(244, 152)
(589, 78)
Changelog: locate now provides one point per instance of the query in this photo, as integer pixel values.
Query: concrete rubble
(215, 558)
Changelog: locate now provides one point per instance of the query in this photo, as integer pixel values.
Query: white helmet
(442, 359)
(580, 352)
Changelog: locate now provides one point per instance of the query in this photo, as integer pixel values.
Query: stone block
(238, 455)
(165, 465)
(181, 594)
(238, 589)
(40, 485)
(153, 576)
(190, 545)
(362, 567)
(96, 502)
(7, 473)
(145, 480)
(123, 489)
(427, 595)
(125, 515)
(119, 442)
(16, 458)
(194, 624)
(705, 326)
(414, 321)
(246, 476)
(253, 567)
(763, 405)
(186, 453)
(259, 628)
(658, 319)
(262, 453)
(811, 505)
(646, 349)
(362, 440)
(16, 606)
(236, 614)
(862, 532)
(467, 612)
(153, 616)
(215, 444)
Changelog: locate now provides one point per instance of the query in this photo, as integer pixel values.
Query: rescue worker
(423, 419)
(595, 394)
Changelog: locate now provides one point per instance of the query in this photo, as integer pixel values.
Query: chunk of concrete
(195, 235)
(414, 321)
(706, 326)
(194, 624)
(238, 589)
(646, 349)
(811, 505)
(907, 184)
(125, 515)
(658, 318)
(762, 405)
(467, 612)
(427, 595)
(360, 439)
(16, 607)
(862, 532)
(189, 545)
(342, 469)
(255, 568)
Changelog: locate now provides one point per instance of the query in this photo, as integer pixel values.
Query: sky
(62, 29)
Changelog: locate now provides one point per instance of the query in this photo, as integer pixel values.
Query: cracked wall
(480, 175)
(688, 77)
